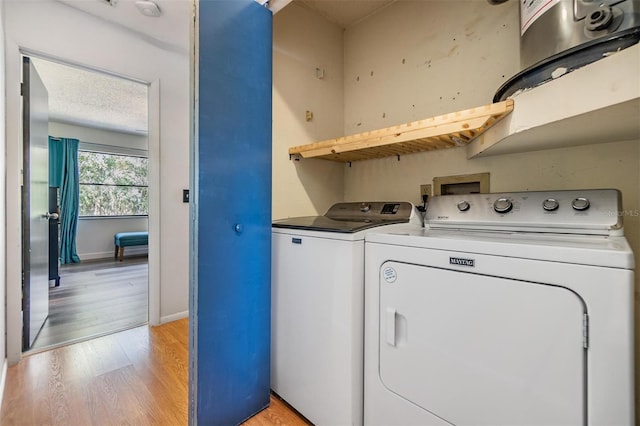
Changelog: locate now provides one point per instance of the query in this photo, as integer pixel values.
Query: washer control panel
(594, 211)
(372, 211)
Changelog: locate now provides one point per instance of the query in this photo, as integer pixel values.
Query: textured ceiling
(93, 99)
(99, 100)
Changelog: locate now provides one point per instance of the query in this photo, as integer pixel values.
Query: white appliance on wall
(317, 313)
(507, 309)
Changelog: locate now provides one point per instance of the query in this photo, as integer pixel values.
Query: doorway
(108, 117)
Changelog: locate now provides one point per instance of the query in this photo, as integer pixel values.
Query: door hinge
(21, 89)
(585, 331)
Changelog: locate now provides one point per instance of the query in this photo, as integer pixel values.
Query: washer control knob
(364, 207)
(580, 204)
(503, 205)
(464, 205)
(550, 204)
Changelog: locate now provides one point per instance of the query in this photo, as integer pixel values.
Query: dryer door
(475, 349)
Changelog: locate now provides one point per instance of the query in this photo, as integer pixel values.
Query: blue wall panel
(231, 259)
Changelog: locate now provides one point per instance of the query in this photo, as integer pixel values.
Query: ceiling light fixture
(148, 8)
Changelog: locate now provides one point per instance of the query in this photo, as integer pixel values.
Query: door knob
(51, 215)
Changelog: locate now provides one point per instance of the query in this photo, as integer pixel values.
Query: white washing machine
(507, 309)
(317, 297)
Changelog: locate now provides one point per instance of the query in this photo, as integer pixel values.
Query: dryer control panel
(594, 211)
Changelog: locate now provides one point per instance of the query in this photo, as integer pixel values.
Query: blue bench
(128, 239)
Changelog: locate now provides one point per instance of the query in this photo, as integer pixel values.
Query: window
(113, 184)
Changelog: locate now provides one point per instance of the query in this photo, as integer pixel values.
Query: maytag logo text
(462, 262)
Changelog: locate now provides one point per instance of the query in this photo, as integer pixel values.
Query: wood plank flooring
(134, 377)
(96, 298)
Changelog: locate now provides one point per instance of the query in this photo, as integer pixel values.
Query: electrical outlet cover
(425, 190)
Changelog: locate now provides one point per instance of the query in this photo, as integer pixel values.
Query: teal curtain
(64, 162)
(55, 162)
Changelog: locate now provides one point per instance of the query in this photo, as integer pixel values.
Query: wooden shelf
(444, 131)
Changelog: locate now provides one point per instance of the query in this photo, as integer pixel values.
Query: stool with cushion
(128, 239)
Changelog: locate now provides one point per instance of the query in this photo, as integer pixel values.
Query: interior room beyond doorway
(107, 116)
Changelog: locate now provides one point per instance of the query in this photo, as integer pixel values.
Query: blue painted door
(231, 214)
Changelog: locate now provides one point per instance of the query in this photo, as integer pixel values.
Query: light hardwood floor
(135, 377)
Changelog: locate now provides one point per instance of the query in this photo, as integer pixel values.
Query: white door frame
(13, 202)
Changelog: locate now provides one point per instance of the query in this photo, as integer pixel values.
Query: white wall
(99, 136)
(95, 235)
(85, 40)
(302, 42)
(3, 237)
(418, 59)
(455, 58)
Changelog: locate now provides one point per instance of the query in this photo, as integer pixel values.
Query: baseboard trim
(3, 381)
(174, 317)
(129, 251)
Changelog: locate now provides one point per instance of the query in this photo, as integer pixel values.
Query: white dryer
(507, 309)
(317, 315)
